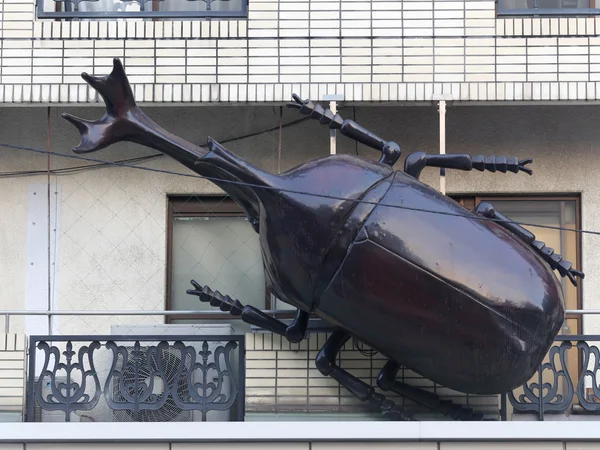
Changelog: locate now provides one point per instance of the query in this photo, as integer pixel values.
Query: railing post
(541, 386)
(6, 323)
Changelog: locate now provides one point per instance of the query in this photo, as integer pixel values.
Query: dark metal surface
(471, 304)
(71, 10)
(165, 373)
(432, 304)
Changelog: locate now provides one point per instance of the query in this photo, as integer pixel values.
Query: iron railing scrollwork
(68, 396)
(141, 378)
(161, 378)
(589, 402)
(558, 388)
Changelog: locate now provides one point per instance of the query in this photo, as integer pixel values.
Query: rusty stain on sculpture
(468, 300)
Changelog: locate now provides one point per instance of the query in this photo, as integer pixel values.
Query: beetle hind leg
(387, 382)
(326, 364)
(554, 260)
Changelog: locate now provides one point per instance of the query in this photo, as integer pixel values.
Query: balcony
(141, 9)
(209, 372)
(546, 8)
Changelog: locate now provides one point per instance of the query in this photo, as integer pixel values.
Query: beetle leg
(387, 382)
(326, 364)
(556, 261)
(390, 151)
(293, 332)
(417, 161)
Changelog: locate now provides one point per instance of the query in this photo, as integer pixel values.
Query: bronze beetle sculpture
(470, 304)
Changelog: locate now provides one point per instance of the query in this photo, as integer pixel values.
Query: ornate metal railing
(114, 9)
(565, 383)
(568, 376)
(141, 378)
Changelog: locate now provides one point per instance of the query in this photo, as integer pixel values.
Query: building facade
(124, 230)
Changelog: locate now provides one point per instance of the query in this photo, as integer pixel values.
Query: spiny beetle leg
(325, 362)
(554, 260)
(390, 151)
(387, 382)
(294, 332)
(501, 164)
(417, 161)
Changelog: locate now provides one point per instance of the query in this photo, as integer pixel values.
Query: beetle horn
(124, 121)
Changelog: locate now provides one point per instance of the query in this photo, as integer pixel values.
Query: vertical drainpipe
(442, 111)
(49, 228)
(333, 100)
(332, 133)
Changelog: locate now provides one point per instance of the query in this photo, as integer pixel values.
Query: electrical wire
(73, 170)
(78, 169)
(365, 352)
(292, 191)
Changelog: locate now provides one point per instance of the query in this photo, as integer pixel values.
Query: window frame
(547, 12)
(198, 206)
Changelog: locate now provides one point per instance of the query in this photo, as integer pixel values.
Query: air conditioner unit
(170, 359)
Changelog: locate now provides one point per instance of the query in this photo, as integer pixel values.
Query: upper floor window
(110, 9)
(547, 7)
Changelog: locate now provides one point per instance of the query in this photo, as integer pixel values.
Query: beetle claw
(523, 163)
(297, 103)
(572, 273)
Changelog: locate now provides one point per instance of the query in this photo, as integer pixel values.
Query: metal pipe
(442, 110)
(583, 311)
(333, 100)
(332, 134)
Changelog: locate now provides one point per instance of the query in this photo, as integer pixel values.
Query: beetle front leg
(416, 162)
(554, 260)
(293, 332)
(390, 151)
(326, 364)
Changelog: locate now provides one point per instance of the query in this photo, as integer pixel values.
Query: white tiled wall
(12, 373)
(377, 50)
(282, 378)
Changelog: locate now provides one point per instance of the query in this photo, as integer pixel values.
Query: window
(210, 241)
(110, 9)
(547, 7)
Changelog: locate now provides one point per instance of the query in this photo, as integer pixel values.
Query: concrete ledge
(298, 432)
